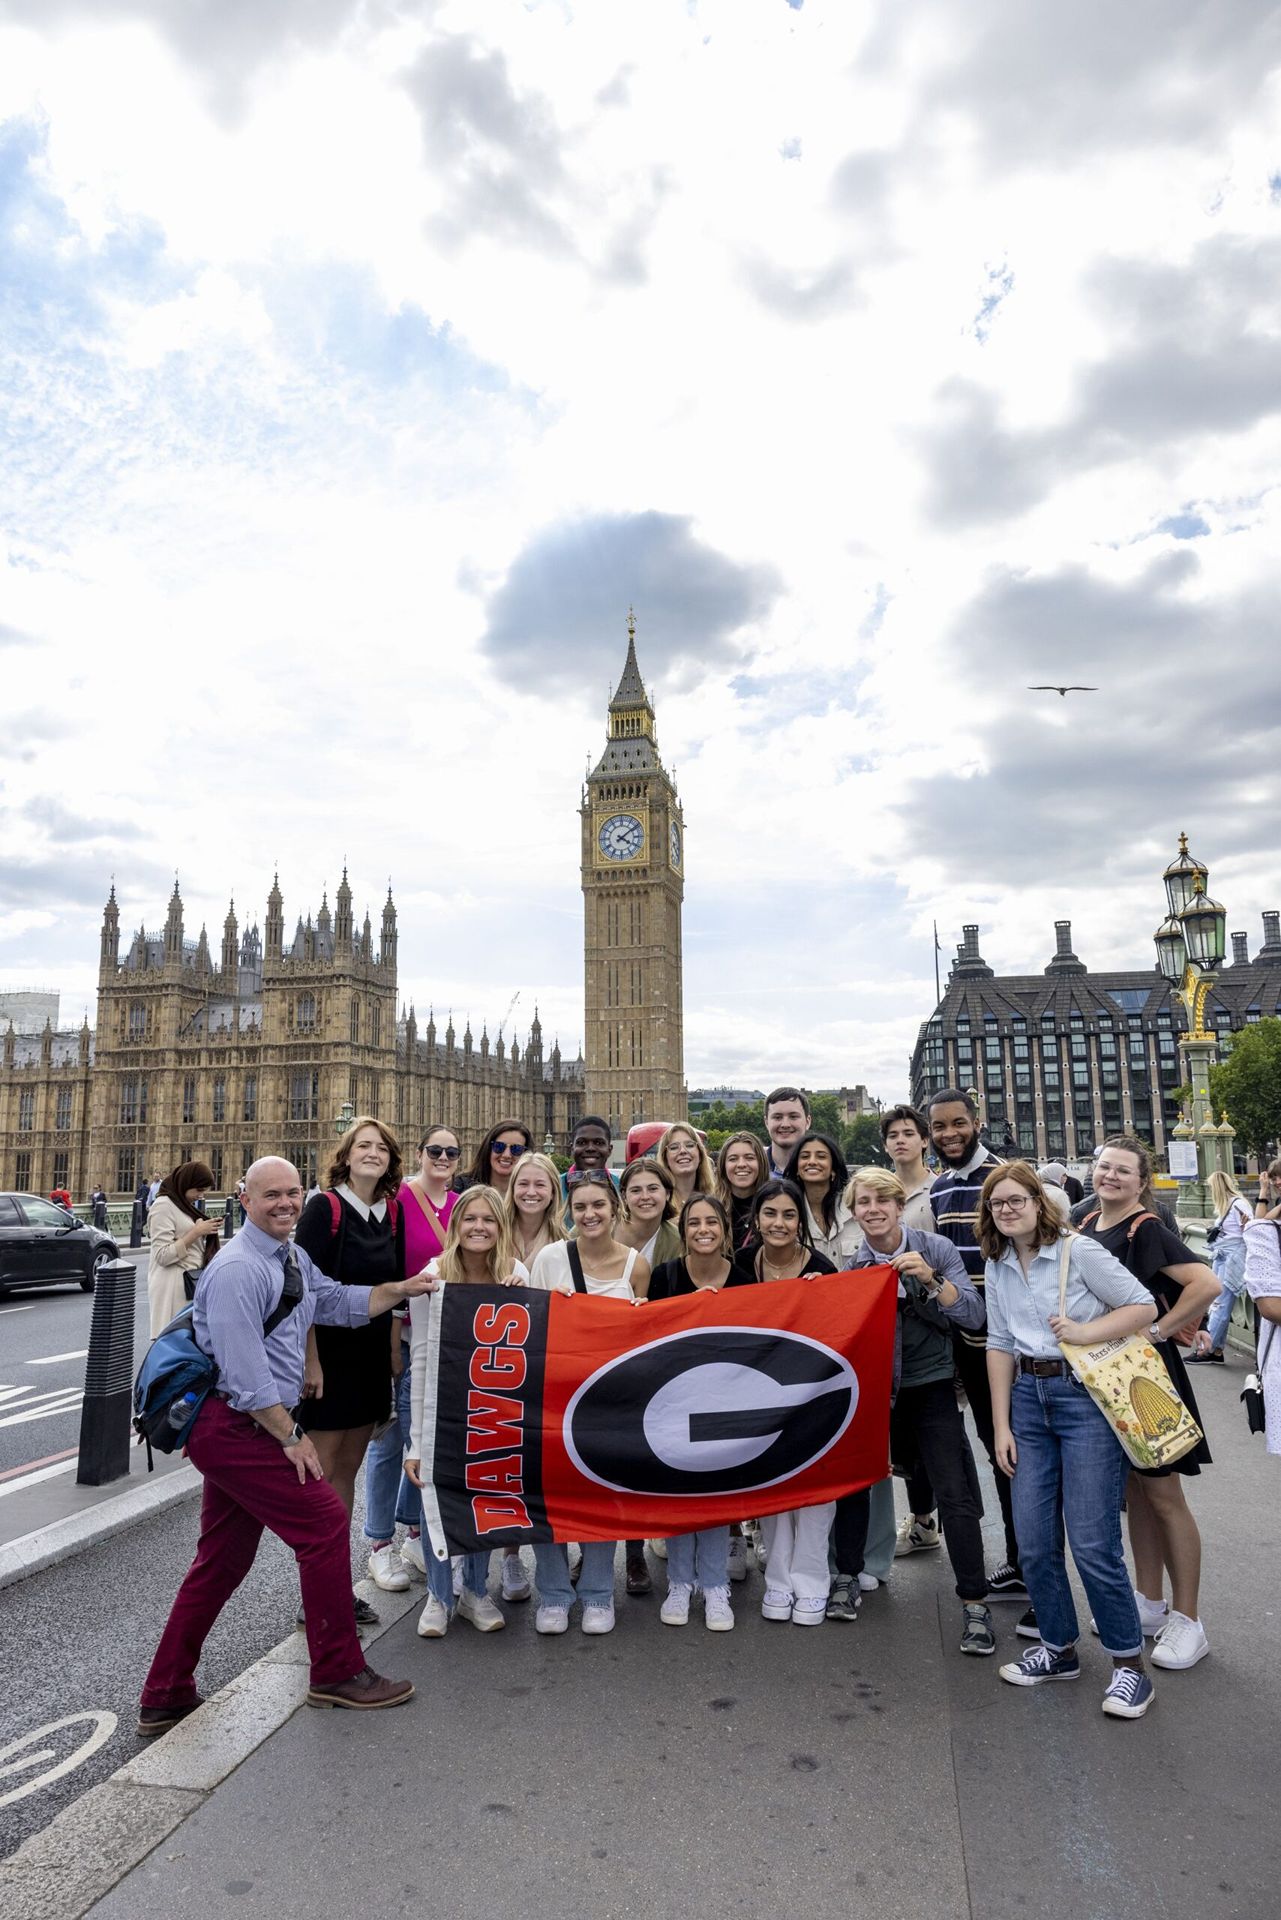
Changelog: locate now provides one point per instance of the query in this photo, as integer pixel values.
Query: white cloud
(325, 328)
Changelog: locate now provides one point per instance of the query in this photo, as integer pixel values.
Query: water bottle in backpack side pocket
(181, 1411)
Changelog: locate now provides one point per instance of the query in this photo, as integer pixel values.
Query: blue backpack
(177, 1376)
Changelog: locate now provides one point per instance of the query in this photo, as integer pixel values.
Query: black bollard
(135, 1224)
(228, 1226)
(107, 1413)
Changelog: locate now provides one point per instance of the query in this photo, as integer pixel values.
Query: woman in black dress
(1163, 1532)
(356, 1234)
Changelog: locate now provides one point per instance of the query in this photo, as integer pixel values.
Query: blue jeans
(1229, 1271)
(440, 1573)
(1071, 1470)
(388, 1495)
(595, 1582)
(699, 1559)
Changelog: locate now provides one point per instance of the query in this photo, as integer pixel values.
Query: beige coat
(171, 1257)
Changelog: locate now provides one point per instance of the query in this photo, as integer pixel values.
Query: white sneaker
(916, 1536)
(809, 1613)
(868, 1583)
(1153, 1614)
(737, 1557)
(776, 1605)
(674, 1611)
(1180, 1643)
(433, 1621)
(386, 1571)
(411, 1557)
(481, 1611)
(659, 1549)
(718, 1615)
(551, 1620)
(457, 1564)
(599, 1619)
(515, 1579)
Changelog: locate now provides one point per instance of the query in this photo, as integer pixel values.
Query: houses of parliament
(256, 1047)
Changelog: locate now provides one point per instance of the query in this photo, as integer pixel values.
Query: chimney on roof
(1240, 950)
(969, 961)
(1064, 961)
(1270, 951)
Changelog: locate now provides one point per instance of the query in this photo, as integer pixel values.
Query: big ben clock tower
(633, 884)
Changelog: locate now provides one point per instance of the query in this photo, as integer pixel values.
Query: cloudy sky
(361, 361)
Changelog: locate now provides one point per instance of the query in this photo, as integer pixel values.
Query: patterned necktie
(293, 1288)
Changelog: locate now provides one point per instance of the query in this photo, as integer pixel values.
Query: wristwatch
(1153, 1335)
(294, 1437)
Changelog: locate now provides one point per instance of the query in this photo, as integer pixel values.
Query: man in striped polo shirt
(954, 1135)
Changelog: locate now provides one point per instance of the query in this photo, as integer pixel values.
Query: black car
(42, 1244)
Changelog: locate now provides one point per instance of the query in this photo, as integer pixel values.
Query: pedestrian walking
(1066, 1467)
(1263, 1280)
(1227, 1260)
(260, 1469)
(1164, 1537)
(98, 1208)
(183, 1241)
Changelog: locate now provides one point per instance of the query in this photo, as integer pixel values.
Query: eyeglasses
(501, 1147)
(442, 1153)
(1009, 1206)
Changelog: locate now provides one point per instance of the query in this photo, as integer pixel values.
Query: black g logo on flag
(717, 1410)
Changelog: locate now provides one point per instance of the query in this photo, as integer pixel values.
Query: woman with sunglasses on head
(741, 1167)
(608, 1269)
(794, 1543)
(1067, 1467)
(498, 1156)
(699, 1561)
(426, 1199)
(1163, 1532)
(818, 1168)
(649, 1211)
(685, 1157)
(477, 1252)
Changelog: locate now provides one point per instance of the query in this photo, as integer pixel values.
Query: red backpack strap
(335, 1211)
(1090, 1218)
(1137, 1222)
(393, 1213)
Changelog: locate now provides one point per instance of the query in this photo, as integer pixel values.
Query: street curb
(47, 1545)
(62, 1871)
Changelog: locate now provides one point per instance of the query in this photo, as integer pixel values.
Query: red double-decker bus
(643, 1138)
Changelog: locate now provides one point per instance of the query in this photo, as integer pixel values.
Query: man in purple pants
(260, 1469)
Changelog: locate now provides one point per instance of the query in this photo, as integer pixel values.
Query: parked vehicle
(643, 1138)
(43, 1245)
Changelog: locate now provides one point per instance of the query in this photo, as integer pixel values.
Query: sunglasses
(442, 1153)
(501, 1147)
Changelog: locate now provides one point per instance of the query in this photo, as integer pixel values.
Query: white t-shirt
(552, 1269)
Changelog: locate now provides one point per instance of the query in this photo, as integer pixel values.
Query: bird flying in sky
(1063, 692)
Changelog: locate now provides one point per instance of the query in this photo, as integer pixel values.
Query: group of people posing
(339, 1382)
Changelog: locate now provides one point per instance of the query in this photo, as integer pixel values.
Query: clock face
(621, 837)
(674, 844)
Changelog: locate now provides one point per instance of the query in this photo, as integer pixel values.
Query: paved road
(44, 1337)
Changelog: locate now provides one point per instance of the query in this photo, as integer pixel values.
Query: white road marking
(23, 1753)
(39, 1473)
(30, 1309)
(64, 1400)
(52, 1359)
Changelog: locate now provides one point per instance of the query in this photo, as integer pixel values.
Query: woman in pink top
(426, 1202)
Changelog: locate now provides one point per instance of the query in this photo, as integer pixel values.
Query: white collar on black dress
(376, 1212)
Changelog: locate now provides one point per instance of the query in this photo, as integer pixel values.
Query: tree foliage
(1247, 1086)
(861, 1143)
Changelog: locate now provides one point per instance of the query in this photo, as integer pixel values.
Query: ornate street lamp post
(343, 1118)
(1189, 947)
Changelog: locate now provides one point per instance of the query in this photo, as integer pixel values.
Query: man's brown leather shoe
(367, 1690)
(156, 1720)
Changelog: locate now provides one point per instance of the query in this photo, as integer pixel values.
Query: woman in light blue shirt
(1067, 1466)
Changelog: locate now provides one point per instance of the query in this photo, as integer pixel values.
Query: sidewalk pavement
(862, 1769)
